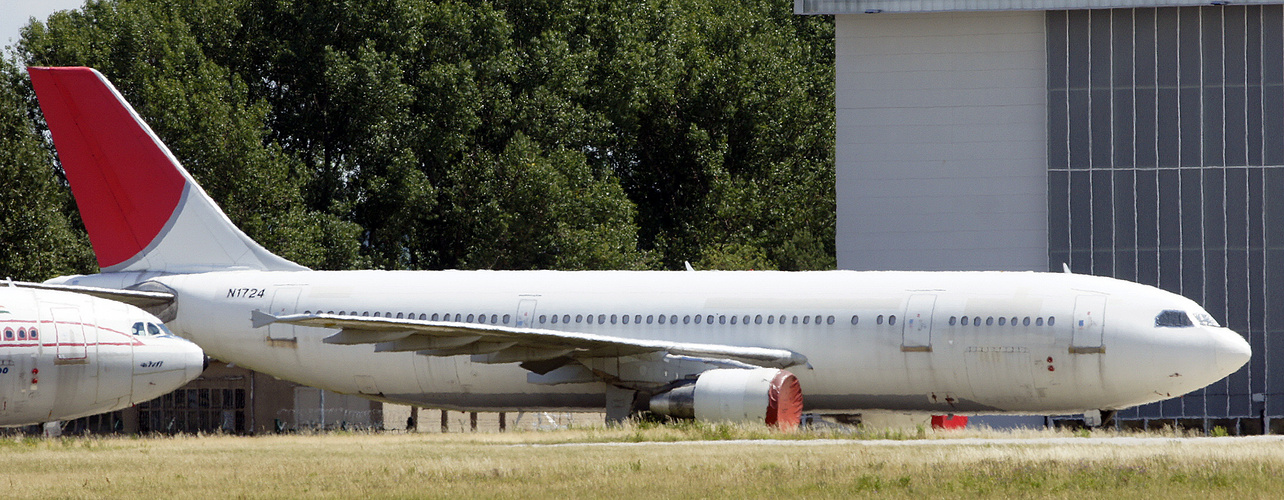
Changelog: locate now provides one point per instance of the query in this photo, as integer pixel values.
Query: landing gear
(1099, 418)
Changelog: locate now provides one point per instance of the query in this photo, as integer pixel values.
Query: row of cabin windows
(721, 319)
(615, 318)
(698, 319)
(22, 334)
(1002, 321)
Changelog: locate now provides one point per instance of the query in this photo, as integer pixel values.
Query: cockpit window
(138, 329)
(164, 330)
(1205, 320)
(1173, 319)
(152, 329)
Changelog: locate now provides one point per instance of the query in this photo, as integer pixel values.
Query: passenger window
(795, 320)
(1052, 320)
(891, 320)
(733, 320)
(637, 319)
(387, 314)
(614, 318)
(757, 320)
(626, 319)
(649, 318)
(673, 318)
(965, 321)
(1026, 321)
(376, 314)
(976, 321)
(590, 319)
(686, 319)
(543, 319)
(1002, 320)
(806, 320)
(855, 319)
(8, 334)
(1038, 321)
(366, 313)
(470, 319)
(152, 329)
(1173, 319)
(698, 318)
(953, 320)
(989, 321)
(771, 320)
(662, 319)
(579, 318)
(401, 316)
(829, 320)
(34, 334)
(817, 319)
(1014, 321)
(22, 334)
(138, 329)
(554, 319)
(601, 319)
(708, 319)
(722, 319)
(879, 319)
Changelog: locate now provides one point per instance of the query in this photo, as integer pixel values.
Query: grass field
(523, 464)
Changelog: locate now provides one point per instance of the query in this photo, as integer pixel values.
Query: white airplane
(66, 355)
(693, 344)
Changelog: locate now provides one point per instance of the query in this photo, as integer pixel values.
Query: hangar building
(1137, 139)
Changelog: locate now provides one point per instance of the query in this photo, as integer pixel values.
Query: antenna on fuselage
(688, 264)
(1066, 268)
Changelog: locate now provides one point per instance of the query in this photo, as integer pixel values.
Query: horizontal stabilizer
(138, 298)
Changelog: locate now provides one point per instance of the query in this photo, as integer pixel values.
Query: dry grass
(504, 465)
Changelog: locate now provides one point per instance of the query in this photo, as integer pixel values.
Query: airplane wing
(505, 344)
(142, 299)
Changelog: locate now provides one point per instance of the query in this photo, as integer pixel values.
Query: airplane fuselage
(986, 342)
(66, 355)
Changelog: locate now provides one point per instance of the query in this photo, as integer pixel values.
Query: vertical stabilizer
(142, 210)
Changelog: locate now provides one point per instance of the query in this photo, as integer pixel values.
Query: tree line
(415, 134)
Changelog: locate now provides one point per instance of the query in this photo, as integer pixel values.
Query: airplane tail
(142, 210)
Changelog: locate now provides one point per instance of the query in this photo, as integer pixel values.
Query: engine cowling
(764, 395)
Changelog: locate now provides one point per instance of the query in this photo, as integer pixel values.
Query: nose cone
(193, 361)
(1230, 351)
(163, 364)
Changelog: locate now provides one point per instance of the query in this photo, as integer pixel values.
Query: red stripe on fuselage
(125, 183)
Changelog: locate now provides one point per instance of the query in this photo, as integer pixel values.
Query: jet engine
(764, 395)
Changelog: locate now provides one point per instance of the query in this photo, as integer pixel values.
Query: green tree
(202, 112)
(502, 134)
(37, 241)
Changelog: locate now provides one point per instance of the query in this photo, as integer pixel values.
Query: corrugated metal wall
(1166, 167)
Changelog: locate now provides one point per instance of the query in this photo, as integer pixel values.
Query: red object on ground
(949, 421)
